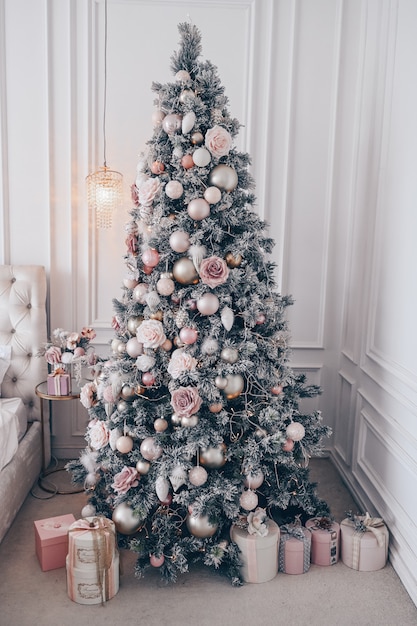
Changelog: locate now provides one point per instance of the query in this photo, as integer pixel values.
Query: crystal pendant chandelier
(105, 186)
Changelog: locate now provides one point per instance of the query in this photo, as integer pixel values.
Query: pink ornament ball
(79, 352)
(187, 161)
(179, 241)
(276, 390)
(295, 431)
(165, 286)
(288, 445)
(156, 561)
(148, 379)
(198, 209)
(260, 319)
(248, 500)
(208, 304)
(197, 476)
(174, 189)
(172, 123)
(150, 449)
(124, 444)
(212, 195)
(188, 335)
(150, 257)
(160, 425)
(157, 167)
(134, 348)
(182, 76)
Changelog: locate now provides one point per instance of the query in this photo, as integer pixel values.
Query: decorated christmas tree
(195, 420)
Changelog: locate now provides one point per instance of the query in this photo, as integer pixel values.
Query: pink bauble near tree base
(188, 335)
(150, 257)
(288, 445)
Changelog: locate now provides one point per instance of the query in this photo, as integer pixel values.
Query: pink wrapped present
(51, 541)
(93, 560)
(324, 540)
(259, 553)
(58, 383)
(364, 542)
(294, 549)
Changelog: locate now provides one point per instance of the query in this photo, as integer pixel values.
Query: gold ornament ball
(125, 520)
(160, 425)
(234, 387)
(224, 177)
(158, 315)
(200, 526)
(197, 138)
(233, 260)
(184, 272)
(127, 392)
(133, 323)
(143, 467)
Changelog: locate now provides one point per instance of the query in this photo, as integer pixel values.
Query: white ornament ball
(208, 304)
(179, 241)
(254, 481)
(125, 520)
(212, 195)
(124, 444)
(189, 421)
(165, 286)
(234, 386)
(182, 76)
(184, 272)
(201, 157)
(139, 293)
(229, 355)
(248, 500)
(174, 189)
(295, 431)
(134, 348)
(197, 476)
(198, 209)
(220, 382)
(213, 458)
(150, 449)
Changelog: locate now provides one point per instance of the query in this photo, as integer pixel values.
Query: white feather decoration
(228, 317)
(115, 433)
(197, 254)
(178, 477)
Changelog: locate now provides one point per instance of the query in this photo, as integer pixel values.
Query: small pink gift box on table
(364, 542)
(51, 540)
(324, 540)
(59, 383)
(294, 549)
(257, 541)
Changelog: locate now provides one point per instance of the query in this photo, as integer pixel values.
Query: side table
(41, 391)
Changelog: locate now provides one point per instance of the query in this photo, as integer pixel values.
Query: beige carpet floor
(323, 596)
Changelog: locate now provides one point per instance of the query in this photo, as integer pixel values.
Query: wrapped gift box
(58, 384)
(364, 543)
(294, 549)
(93, 560)
(259, 554)
(325, 539)
(51, 541)
(92, 586)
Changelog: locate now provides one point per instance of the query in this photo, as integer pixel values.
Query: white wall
(325, 91)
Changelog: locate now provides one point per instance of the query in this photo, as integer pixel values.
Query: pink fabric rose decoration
(134, 194)
(213, 271)
(97, 434)
(185, 401)
(53, 355)
(125, 479)
(131, 242)
(88, 395)
(256, 522)
(218, 141)
(72, 340)
(148, 191)
(181, 362)
(151, 334)
(108, 395)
